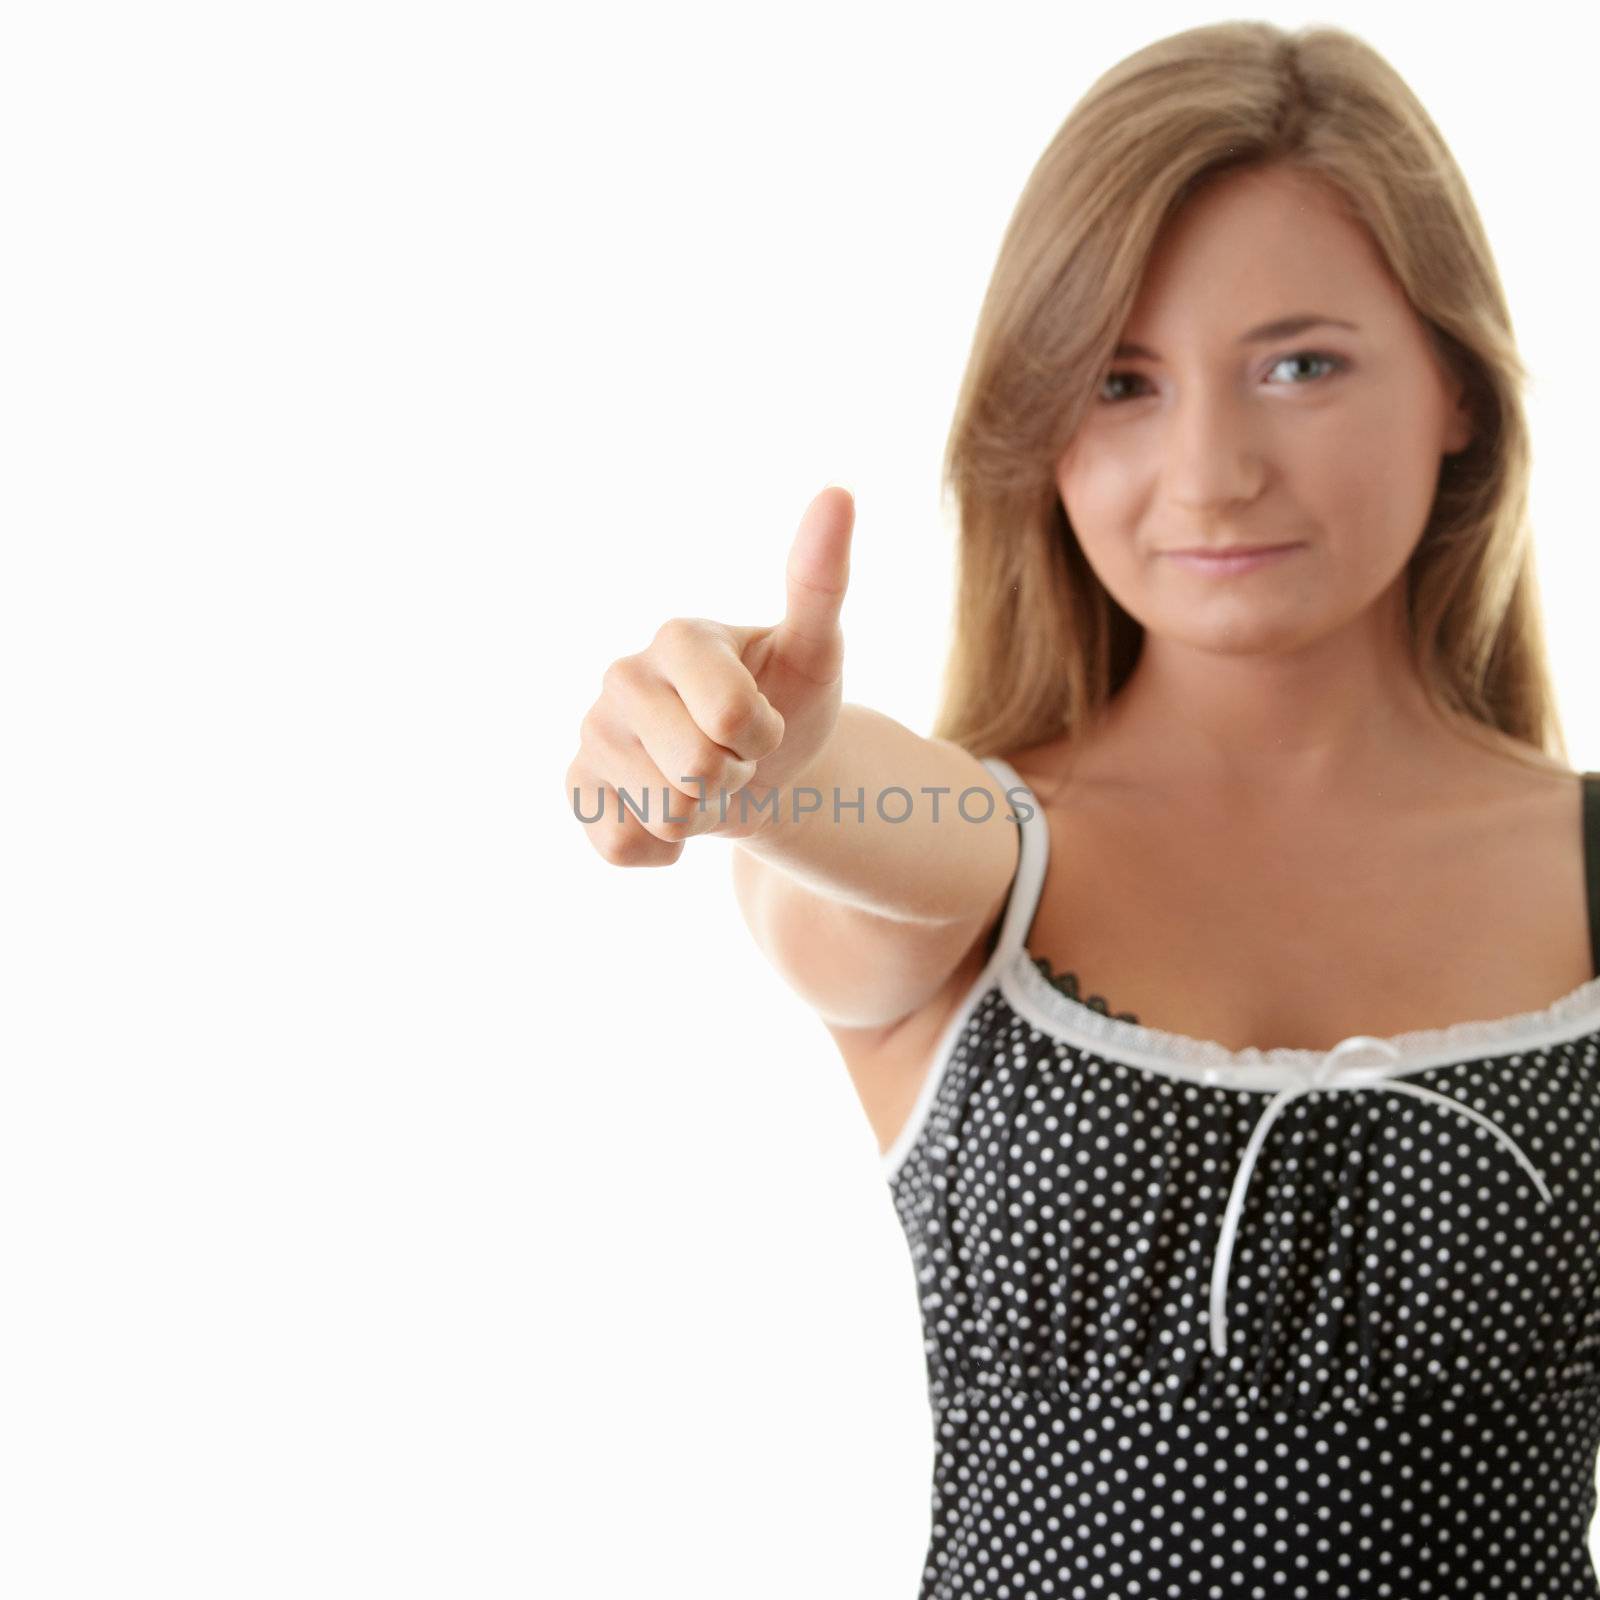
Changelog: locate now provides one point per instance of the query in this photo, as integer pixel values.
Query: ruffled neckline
(1067, 984)
(1024, 983)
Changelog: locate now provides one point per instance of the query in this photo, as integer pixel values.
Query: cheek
(1102, 500)
(1104, 509)
(1379, 469)
(1370, 495)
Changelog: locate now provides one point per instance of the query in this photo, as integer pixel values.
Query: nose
(1212, 450)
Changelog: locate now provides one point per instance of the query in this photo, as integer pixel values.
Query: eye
(1334, 363)
(1330, 363)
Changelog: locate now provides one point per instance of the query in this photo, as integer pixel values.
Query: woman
(1279, 1280)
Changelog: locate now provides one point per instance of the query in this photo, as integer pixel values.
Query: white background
(396, 1199)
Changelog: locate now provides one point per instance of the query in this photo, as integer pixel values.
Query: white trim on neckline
(1011, 970)
(1254, 1069)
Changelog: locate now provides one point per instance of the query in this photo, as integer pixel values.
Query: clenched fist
(709, 709)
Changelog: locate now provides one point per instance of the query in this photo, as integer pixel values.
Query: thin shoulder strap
(1591, 860)
(1032, 858)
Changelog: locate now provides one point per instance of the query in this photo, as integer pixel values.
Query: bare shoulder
(1506, 792)
(889, 1065)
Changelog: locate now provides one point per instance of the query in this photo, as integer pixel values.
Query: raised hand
(710, 709)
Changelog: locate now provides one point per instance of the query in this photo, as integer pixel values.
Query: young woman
(1272, 1271)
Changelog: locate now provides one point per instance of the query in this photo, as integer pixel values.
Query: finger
(642, 793)
(699, 660)
(609, 826)
(809, 640)
(670, 776)
(678, 799)
(665, 746)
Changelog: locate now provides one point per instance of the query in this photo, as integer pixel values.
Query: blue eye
(1331, 363)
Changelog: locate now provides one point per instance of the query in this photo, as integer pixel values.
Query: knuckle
(662, 843)
(663, 853)
(702, 766)
(621, 676)
(728, 719)
(680, 819)
(676, 631)
(662, 813)
(627, 847)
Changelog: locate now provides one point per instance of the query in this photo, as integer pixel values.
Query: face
(1327, 438)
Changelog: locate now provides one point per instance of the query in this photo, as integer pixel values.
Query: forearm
(901, 825)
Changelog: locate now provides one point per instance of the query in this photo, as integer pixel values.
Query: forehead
(1256, 244)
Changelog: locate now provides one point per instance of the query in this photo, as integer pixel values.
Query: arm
(867, 918)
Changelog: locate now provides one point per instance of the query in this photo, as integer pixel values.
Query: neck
(1343, 715)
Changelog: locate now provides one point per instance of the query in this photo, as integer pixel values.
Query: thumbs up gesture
(709, 709)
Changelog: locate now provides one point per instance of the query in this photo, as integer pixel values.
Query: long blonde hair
(1040, 646)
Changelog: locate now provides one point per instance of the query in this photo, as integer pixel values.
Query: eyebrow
(1279, 328)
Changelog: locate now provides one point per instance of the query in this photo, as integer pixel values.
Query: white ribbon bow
(1322, 1076)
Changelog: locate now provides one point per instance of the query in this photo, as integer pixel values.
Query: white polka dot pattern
(1409, 1399)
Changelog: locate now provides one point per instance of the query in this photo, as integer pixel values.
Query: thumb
(808, 639)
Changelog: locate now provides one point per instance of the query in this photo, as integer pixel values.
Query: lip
(1241, 558)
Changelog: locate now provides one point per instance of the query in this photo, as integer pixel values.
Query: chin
(1240, 634)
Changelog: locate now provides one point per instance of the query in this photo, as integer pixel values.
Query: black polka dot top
(1270, 1322)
